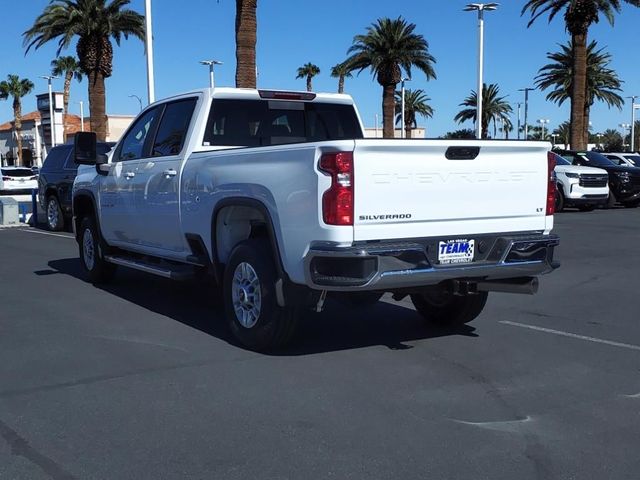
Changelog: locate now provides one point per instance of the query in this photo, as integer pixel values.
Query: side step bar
(178, 272)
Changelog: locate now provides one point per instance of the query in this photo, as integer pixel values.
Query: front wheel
(444, 308)
(55, 217)
(611, 201)
(251, 306)
(91, 255)
(633, 204)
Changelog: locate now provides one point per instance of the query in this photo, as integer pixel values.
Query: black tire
(91, 253)
(55, 217)
(559, 205)
(586, 208)
(611, 201)
(445, 309)
(265, 327)
(633, 204)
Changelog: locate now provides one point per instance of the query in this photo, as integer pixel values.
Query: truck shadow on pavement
(199, 306)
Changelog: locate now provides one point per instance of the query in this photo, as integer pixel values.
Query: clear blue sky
(293, 32)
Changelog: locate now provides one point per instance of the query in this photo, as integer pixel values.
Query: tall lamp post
(137, 98)
(526, 91)
(402, 132)
(633, 120)
(52, 123)
(543, 122)
(480, 7)
(519, 104)
(624, 127)
(211, 63)
(148, 41)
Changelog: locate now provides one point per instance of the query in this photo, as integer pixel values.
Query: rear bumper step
(390, 266)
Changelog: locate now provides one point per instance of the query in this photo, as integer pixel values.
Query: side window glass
(55, 159)
(70, 163)
(134, 142)
(173, 128)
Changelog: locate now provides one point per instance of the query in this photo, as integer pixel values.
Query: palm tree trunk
(388, 109)
(17, 115)
(309, 87)
(578, 95)
(67, 87)
(587, 110)
(407, 130)
(341, 84)
(97, 102)
(246, 35)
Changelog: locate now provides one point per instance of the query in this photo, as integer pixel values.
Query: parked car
(624, 181)
(630, 159)
(17, 180)
(581, 187)
(56, 181)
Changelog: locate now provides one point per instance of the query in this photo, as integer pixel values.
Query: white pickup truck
(279, 198)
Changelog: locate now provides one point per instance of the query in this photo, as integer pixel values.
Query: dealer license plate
(456, 251)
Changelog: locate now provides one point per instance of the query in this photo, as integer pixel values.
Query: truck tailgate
(410, 189)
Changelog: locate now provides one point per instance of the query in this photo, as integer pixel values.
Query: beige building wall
(419, 132)
(116, 125)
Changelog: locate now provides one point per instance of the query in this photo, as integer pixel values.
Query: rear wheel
(559, 206)
(55, 218)
(251, 306)
(91, 255)
(444, 308)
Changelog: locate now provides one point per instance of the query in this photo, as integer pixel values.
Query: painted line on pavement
(572, 335)
(47, 233)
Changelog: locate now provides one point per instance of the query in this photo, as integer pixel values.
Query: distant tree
(246, 38)
(415, 103)
(579, 15)
(388, 48)
(308, 71)
(493, 107)
(17, 88)
(69, 68)
(612, 141)
(341, 71)
(563, 134)
(636, 135)
(465, 133)
(602, 81)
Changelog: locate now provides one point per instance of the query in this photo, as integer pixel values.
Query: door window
(133, 144)
(55, 159)
(173, 128)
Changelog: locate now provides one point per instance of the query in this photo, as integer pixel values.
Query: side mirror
(84, 147)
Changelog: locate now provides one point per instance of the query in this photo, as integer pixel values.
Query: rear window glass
(56, 158)
(254, 123)
(18, 172)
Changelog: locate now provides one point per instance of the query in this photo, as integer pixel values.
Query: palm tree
(612, 141)
(308, 71)
(246, 37)
(493, 107)
(94, 22)
(388, 48)
(415, 103)
(17, 88)
(465, 133)
(563, 131)
(602, 82)
(579, 15)
(340, 71)
(70, 68)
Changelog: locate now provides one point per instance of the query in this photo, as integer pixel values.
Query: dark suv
(624, 181)
(56, 181)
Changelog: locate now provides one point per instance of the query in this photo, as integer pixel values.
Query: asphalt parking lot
(139, 380)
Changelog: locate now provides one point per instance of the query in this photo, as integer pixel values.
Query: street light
(148, 41)
(543, 122)
(519, 104)
(211, 63)
(633, 120)
(137, 98)
(81, 116)
(480, 7)
(526, 91)
(402, 132)
(52, 123)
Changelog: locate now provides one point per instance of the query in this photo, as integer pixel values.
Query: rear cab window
(254, 123)
(56, 159)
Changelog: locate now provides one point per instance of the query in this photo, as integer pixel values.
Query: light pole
(137, 98)
(543, 122)
(624, 127)
(553, 136)
(211, 63)
(519, 104)
(81, 116)
(148, 41)
(526, 91)
(633, 120)
(402, 133)
(480, 7)
(52, 123)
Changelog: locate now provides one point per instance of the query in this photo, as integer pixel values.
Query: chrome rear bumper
(396, 265)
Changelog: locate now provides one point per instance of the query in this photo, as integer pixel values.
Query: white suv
(628, 159)
(581, 187)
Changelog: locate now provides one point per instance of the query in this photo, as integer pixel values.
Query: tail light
(337, 202)
(551, 183)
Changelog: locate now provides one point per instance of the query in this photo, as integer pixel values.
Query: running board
(178, 272)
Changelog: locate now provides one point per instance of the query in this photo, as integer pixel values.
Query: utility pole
(526, 91)
(633, 121)
(149, 48)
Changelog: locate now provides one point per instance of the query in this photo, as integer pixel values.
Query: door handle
(128, 175)
(170, 173)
